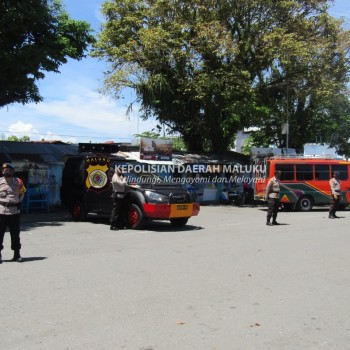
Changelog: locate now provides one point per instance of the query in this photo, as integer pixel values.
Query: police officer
(334, 183)
(272, 198)
(11, 195)
(119, 185)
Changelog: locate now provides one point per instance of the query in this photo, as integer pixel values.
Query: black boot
(0, 259)
(17, 256)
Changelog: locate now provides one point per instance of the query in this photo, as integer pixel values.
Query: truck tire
(179, 222)
(79, 211)
(135, 217)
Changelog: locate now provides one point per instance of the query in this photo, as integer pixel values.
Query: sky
(73, 109)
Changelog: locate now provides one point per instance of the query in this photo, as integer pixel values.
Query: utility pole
(287, 115)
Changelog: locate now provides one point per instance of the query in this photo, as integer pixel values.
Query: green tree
(209, 68)
(307, 86)
(148, 134)
(13, 138)
(247, 145)
(18, 139)
(338, 132)
(36, 36)
(177, 58)
(178, 142)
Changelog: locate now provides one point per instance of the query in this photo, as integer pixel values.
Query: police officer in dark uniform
(273, 198)
(11, 195)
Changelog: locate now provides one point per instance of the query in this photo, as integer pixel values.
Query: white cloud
(54, 137)
(79, 114)
(22, 128)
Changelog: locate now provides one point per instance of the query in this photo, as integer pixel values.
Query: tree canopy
(36, 36)
(209, 68)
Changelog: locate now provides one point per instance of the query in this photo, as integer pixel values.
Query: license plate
(181, 210)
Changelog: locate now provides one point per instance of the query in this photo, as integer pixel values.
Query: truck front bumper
(170, 211)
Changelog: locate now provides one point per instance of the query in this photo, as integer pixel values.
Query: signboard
(97, 173)
(155, 149)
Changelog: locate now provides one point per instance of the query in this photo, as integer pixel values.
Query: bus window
(304, 172)
(342, 169)
(322, 172)
(262, 169)
(287, 171)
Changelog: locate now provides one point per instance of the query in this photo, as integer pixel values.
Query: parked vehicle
(304, 181)
(86, 189)
(232, 196)
(236, 197)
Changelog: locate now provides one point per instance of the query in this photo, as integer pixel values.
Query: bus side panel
(292, 192)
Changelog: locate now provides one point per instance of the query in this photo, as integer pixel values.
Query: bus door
(262, 167)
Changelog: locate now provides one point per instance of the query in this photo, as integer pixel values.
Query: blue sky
(73, 110)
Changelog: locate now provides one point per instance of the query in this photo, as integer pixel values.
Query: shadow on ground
(28, 259)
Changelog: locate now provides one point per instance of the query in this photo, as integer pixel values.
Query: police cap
(8, 165)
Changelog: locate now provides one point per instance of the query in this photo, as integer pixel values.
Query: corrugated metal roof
(188, 158)
(35, 152)
(42, 152)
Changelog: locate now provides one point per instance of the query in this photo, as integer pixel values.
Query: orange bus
(304, 181)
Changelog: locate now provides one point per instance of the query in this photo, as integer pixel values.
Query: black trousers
(13, 224)
(118, 211)
(272, 209)
(334, 205)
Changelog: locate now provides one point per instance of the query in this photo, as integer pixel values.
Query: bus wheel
(305, 203)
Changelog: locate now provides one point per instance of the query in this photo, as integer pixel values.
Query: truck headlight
(155, 197)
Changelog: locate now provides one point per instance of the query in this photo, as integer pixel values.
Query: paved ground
(226, 282)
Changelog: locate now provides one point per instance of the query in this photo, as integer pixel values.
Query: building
(39, 165)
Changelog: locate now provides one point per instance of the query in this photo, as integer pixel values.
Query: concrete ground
(226, 281)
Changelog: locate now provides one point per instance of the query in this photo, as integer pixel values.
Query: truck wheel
(135, 217)
(78, 211)
(305, 203)
(179, 222)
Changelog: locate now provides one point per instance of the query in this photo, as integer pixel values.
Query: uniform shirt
(11, 191)
(273, 188)
(119, 185)
(335, 186)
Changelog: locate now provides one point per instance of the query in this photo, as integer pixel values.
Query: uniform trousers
(13, 224)
(118, 211)
(334, 205)
(272, 208)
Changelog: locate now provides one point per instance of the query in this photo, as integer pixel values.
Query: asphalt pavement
(225, 281)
